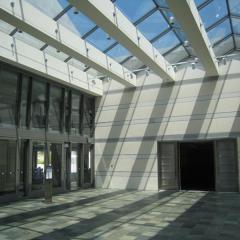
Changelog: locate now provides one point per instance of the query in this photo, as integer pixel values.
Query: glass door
(75, 166)
(88, 168)
(23, 167)
(38, 165)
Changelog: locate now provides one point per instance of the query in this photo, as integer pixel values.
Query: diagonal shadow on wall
(113, 147)
(205, 107)
(170, 92)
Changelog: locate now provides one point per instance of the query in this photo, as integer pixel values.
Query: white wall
(129, 122)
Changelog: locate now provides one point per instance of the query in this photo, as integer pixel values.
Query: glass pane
(88, 116)
(176, 55)
(8, 94)
(118, 53)
(166, 42)
(133, 64)
(93, 73)
(54, 7)
(75, 167)
(134, 9)
(7, 166)
(5, 27)
(199, 2)
(77, 23)
(234, 6)
(100, 39)
(55, 160)
(75, 126)
(76, 64)
(55, 108)
(38, 165)
(161, 3)
(67, 107)
(55, 53)
(237, 40)
(214, 11)
(23, 165)
(24, 102)
(224, 47)
(39, 102)
(153, 25)
(26, 38)
(87, 164)
(220, 31)
(236, 25)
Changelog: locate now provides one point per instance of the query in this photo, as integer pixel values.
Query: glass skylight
(100, 39)
(153, 25)
(135, 9)
(236, 25)
(224, 47)
(234, 6)
(213, 12)
(220, 32)
(166, 42)
(118, 53)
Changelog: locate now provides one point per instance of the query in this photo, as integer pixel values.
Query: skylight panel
(166, 42)
(237, 41)
(76, 22)
(118, 53)
(161, 3)
(224, 47)
(213, 12)
(133, 64)
(135, 9)
(176, 55)
(100, 39)
(234, 6)
(51, 8)
(153, 25)
(199, 2)
(220, 31)
(236, 25)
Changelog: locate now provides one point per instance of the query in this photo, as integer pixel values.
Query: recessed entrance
(197, 166)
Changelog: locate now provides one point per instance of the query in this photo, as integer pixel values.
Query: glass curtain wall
(88, 116)
(76, 112)
(8, 94)
(7, 166)
(55, 109)
(56, 162)
(39, 104)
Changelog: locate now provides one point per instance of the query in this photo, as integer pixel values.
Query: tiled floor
(106, 214)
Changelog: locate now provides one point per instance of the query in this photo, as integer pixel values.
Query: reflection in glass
(55, 160)
(75, 166)
(87, 164)
(8, 93)
(24, 101)
(118, 53)
(67, 109)
(39, 101)
(38, 165)
(55, 106)
(88, 116)
(7, 166)
(224, 47)
(75, 124)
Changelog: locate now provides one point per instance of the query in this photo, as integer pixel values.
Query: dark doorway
(197, 166)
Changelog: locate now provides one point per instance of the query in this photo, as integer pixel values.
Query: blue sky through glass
(153, 25)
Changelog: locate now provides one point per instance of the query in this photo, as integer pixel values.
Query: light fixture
(224, 61)
(172, 20)
(75, 11)
(12, 4)
(186, 43)
(58, 51)
(193, 64)
(175, 68)
(19, 30)
(108, 37)
(196, 60)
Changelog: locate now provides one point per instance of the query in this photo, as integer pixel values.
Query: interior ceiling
(221, 19)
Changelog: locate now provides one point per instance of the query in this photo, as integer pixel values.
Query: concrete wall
(129, 122)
